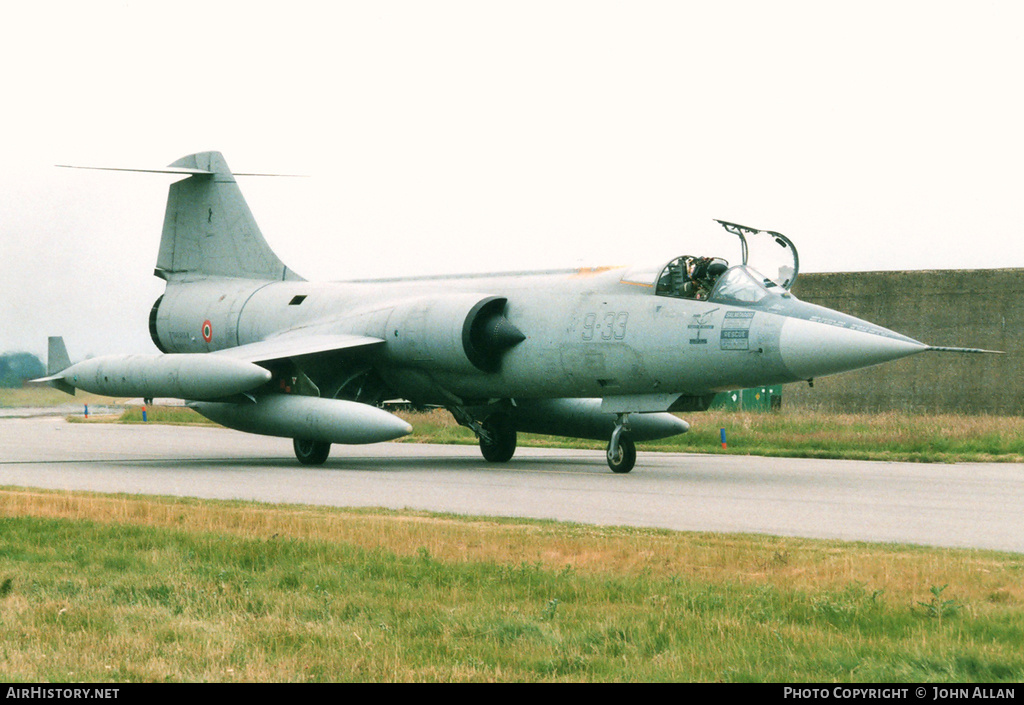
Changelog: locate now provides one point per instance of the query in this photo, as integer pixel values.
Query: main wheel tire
(502, 446)
(624, 460)
(311, 452)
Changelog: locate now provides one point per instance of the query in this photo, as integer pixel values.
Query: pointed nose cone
(811, 349)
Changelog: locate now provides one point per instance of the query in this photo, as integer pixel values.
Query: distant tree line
(15, 368)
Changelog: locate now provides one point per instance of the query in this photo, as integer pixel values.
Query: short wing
(327, 360)
(297, 344)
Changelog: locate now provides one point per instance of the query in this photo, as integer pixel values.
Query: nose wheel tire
(625, 456)
(502, 444)
(311, 452)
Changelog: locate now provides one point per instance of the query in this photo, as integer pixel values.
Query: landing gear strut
(621, 448)
(311, 452)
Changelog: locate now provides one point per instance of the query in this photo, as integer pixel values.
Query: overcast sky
(483, 136)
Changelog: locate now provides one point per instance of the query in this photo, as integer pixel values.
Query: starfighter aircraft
(601, 353)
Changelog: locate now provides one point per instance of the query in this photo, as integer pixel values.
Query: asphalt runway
(965, 505)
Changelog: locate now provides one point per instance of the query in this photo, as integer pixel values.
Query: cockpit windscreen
(740, 286)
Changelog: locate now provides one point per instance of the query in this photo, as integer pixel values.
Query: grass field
(115, 588)
(44, 396)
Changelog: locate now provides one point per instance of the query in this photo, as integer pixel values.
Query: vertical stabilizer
(209, 229)
(57, 361)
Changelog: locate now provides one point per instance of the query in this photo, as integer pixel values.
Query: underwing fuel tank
(307, 418)
(184, 376)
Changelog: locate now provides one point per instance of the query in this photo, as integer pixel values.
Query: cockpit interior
(690, 277)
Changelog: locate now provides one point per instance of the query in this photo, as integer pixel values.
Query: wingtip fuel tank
(184, 376)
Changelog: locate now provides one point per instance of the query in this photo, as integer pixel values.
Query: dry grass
(882, 436)
(115, 588)
(791, 562)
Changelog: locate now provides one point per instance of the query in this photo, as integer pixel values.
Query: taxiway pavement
(964, 505)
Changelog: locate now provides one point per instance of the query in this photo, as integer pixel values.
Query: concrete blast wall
(970, 308)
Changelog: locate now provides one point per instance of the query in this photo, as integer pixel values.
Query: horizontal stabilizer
(165, 170)
(183, 171)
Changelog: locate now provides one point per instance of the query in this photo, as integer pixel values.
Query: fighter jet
(610, 353)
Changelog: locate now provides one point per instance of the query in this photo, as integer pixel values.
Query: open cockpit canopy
(768, 252)
(711, 278)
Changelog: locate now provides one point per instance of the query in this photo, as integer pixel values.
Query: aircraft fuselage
(587, 333)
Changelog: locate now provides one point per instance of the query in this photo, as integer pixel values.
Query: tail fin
(57, 361)
(209, 229)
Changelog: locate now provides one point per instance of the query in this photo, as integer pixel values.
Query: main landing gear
(497, 438)
(496, 433)
(311, 452)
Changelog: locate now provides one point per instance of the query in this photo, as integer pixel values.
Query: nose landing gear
(621, 448)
